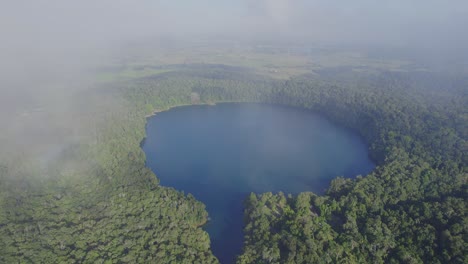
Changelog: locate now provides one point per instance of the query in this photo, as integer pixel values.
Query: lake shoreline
(181, 105)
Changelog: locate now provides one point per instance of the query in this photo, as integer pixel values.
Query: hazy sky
(93, 21)
(62, 34)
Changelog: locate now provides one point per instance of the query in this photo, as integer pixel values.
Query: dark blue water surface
(222, 153)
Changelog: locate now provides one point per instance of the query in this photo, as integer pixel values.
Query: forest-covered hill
(99, 203)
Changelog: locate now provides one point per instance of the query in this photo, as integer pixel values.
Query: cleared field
(275, 62)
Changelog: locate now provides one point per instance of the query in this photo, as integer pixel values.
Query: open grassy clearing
(276, 63)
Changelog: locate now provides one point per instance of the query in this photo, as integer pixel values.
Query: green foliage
(101, 204)
(402, 212)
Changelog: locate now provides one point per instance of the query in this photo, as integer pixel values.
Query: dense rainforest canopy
(99, 203)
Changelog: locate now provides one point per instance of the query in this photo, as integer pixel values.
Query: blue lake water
(222, 153)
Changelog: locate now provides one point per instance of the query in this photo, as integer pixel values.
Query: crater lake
(222, 153)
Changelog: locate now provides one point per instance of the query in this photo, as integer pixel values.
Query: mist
(50, 49)
(72, 34)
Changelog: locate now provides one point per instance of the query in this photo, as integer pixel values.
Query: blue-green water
(222, 153)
